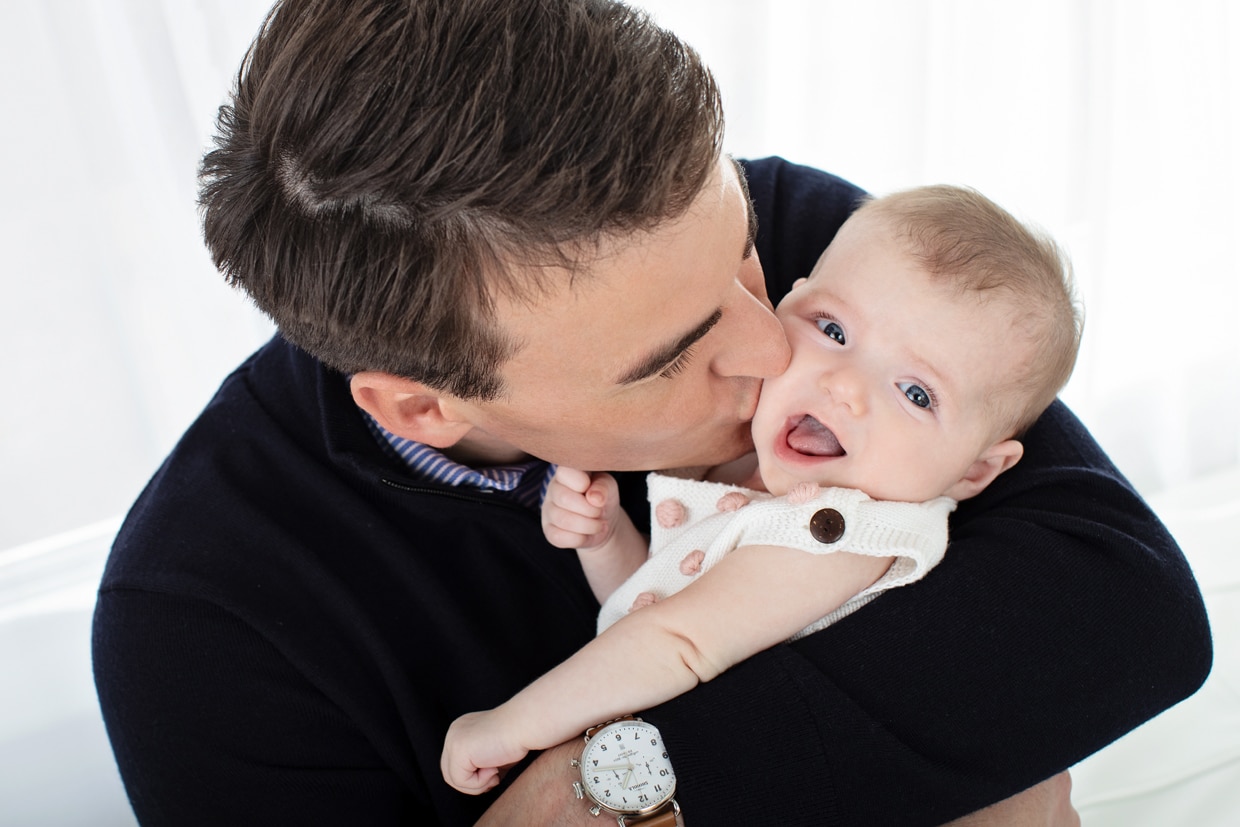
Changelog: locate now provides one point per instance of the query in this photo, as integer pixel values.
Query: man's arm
(209, 729)
(542, 797)
(1048, 804)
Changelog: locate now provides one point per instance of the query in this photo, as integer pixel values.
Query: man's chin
(720, 450)
(708, 450)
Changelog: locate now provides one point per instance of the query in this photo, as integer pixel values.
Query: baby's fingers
(576, 534)
(603, 490)
(563, 499)
(573, 479)
(584, 524)
(472, 781)
(481, 780)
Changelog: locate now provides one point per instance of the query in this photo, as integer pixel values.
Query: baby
(930, 335)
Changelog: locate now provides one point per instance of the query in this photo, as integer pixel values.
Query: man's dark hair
(386, 168)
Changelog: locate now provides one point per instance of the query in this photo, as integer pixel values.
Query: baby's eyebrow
(664, 356)
(943, 384)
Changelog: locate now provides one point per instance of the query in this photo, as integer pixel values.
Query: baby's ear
(409, 409)
(994, 461)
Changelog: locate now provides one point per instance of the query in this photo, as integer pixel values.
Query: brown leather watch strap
(667, 818)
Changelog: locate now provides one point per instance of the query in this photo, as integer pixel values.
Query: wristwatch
(626, 773)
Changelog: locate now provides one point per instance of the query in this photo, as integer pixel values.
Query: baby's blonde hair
(961, 236)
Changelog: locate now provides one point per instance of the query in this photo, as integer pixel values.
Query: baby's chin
(779, 484)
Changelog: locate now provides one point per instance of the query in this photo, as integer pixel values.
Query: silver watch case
(625, 770)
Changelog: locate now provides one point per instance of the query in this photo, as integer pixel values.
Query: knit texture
(914, 533)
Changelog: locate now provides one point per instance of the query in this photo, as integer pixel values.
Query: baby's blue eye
(832, 329)
(916, 394)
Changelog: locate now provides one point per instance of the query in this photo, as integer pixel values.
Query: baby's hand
(476, 753)
(580, 509)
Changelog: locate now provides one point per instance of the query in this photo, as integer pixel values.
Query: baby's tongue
(813, 438)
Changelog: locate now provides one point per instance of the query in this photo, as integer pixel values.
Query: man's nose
(758, 346)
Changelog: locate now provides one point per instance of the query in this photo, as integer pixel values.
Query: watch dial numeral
(635, 763)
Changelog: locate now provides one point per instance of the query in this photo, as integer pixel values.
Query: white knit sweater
(713, 518)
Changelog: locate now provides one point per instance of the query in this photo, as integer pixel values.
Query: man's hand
(1049, 804)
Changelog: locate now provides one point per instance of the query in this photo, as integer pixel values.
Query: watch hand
(614, 767)
(627, 777)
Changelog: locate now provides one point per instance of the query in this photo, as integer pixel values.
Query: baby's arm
(750, 600)
(582, 511)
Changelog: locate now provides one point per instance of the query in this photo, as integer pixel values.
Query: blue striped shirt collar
(525, 482)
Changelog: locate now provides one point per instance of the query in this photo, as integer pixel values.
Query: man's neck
(742, 471)
(473, 452)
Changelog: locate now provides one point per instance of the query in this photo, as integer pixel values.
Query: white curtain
(1112, 124)
(114, 325)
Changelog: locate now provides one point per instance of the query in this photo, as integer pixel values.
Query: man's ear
(409, 409)
(994, 461)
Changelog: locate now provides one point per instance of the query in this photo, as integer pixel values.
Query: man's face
(652, 358)
(887, 388)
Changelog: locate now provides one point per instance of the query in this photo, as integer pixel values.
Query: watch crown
(577, 789)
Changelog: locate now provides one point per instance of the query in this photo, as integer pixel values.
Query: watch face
(625, 767)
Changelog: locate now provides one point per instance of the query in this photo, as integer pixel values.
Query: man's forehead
(660, 280)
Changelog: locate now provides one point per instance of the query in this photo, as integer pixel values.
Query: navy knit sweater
(288, 622)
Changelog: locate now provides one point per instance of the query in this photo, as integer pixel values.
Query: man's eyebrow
(751, 216)
(664, 356)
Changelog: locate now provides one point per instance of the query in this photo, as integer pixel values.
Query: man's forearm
(1048, 804)
(542, 794)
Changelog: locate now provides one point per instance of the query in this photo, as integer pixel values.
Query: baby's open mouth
(810, 437)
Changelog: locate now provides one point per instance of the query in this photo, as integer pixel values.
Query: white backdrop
(1111, 124)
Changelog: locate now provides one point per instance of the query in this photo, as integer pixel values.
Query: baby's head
(931, 334)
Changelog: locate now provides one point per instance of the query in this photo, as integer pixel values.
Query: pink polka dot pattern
(803, 492)
(643, 600)
(669, 513)
(731, 501)
(692, 564)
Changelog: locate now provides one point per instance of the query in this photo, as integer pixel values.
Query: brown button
(827, 525)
